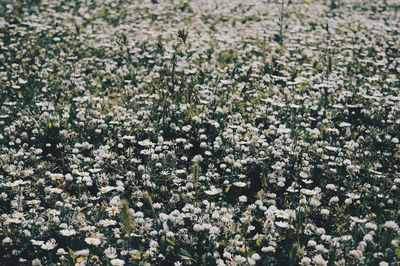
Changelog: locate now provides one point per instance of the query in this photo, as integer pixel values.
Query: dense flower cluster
(199, 132)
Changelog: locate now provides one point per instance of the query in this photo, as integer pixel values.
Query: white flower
(55, 177)
(282, 224)
(197, 159)
(357, 254)
(6, 241)
(36, 262)
(130, 138)
(106, 189)
(113, 210)
(331, 187)
(319, 260)
(281, 214)
(146, 143)
(283, 130)
(68, 232)
(82, 252)
(117, 262)
(371, 226)
(213, 191)
(305, 261)
(256, 257)
(344, 124)
(37, 242)
(368, 238)
(268, 249)
(93, 241)
(33, 202)
(325, 212)
(61, 251)
(311, 243)
(214, 230)
(197, 227)
(110, 252)
(49, 245)
(239, 184)
(358, 220)
(334, 200)
(391, 225)
(107, 222)
(22, 81)
(243, 199)
(395, 243)
(308, 192)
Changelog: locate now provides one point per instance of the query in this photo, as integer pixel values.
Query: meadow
(178, 132)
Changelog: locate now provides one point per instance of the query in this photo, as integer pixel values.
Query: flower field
(178, 132)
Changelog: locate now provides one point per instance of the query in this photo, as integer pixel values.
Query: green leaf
(171, 241)
(259, 240)
(184, 254)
